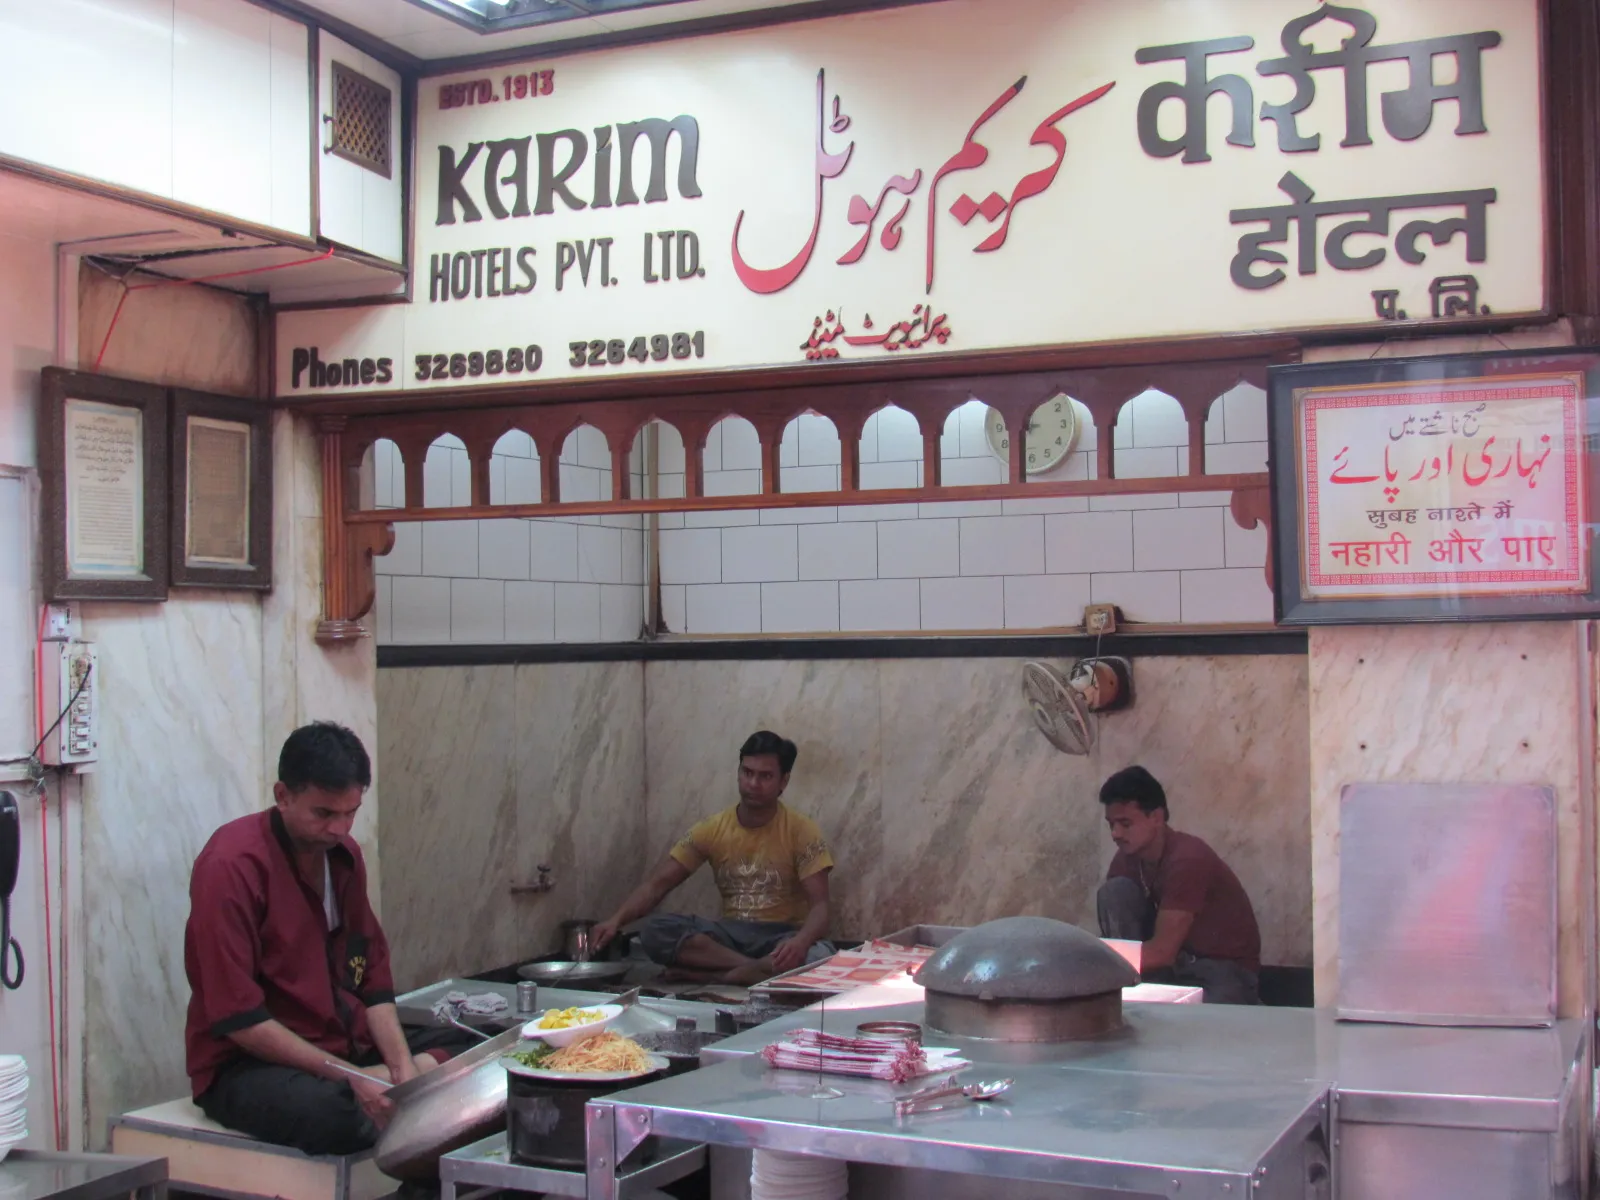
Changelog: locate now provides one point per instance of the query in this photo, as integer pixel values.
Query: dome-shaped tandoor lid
(1025, 958)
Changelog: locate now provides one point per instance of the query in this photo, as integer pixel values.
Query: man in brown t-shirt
(1170, 891)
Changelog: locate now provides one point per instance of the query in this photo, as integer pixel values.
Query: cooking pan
(574, 974)
(446, 1108)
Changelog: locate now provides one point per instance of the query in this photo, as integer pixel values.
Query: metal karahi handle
(937, 1091)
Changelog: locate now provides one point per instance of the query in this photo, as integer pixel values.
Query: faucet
(543, 884)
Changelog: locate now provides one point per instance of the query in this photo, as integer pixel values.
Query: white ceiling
(38, 211)
(427, 35)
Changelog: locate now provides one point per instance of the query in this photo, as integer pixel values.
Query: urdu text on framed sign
(1435, 489)
(103, 462)
(221, 492)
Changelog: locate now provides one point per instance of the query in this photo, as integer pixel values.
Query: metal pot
(577, 939)
(451, 1106)
(1025, 979)
(545, 1116)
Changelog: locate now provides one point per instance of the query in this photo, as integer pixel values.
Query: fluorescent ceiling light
(493, 16)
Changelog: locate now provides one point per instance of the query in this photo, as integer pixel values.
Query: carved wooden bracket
(349, 588)
(1252, 506)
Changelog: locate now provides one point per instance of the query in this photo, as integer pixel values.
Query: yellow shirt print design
(758, 871)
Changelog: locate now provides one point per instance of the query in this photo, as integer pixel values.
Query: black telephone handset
(11, 967)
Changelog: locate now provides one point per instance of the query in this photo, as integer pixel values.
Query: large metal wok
(453, 1105)
(574, 974)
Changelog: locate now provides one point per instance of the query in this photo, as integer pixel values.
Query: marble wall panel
(982, 817)
(1229, 740)
(301, 681)
(180, 743)
(698, 713)
(580, 766)
(450, 833)
(490, 772)
(942, 802)
(1458, 703)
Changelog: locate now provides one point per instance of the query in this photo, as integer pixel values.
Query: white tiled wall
(580, 579)
(965, 565)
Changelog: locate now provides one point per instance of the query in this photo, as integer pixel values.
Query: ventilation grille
(361, 130)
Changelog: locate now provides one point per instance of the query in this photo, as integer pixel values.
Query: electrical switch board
(71, 692)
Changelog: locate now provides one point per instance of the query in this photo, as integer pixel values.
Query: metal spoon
(449, 1013)
(987, 1091)
(950, 1088)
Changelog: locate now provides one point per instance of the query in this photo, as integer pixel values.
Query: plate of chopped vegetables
(562, 1026)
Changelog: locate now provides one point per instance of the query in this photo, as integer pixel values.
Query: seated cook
(1170, 891)
(771, 866)
(288, 967)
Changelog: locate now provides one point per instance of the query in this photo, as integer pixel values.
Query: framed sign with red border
(1427, 489)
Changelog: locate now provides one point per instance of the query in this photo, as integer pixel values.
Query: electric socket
(61, 622)
(1099, 619)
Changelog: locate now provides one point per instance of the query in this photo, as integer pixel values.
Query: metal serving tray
(913, 935)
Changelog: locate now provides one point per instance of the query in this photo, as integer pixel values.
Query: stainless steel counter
(1184, 1095)
(1142, 1132)
(649, 1016)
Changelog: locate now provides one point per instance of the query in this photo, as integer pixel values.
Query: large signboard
(955, 177)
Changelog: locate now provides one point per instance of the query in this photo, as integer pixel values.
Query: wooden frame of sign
(1454, 488)
(221, 492)
(102, 472)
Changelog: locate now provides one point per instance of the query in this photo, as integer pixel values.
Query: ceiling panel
(427, 35)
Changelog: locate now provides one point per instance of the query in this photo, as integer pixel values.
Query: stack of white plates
(778, 1176)
(13, 1101)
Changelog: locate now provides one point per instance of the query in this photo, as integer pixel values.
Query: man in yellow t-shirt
(771, 865)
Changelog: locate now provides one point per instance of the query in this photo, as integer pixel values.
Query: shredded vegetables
(602, 1052)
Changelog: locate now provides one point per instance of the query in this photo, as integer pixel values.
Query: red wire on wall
(44, 856)
(139, 287)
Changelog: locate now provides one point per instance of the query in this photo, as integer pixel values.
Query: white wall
(575, 580)
(205, 102)
(27, 334)
(892, 568)
(972, 565)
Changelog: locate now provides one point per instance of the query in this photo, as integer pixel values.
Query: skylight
(492, 16)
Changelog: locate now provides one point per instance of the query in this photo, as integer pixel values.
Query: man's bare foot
(753, 972)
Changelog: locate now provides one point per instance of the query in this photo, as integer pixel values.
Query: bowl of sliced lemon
(563, 1026)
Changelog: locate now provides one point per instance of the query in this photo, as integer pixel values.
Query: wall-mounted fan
(1063, 706)
(1060, 712)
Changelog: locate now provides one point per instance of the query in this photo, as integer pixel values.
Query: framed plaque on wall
(221, 492)
(1435, 489)
(102, 471)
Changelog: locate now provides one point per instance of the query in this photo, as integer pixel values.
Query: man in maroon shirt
(288, 967)
(1170, 891)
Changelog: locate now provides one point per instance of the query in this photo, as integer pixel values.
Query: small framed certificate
(221, 492)
(102, 469)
